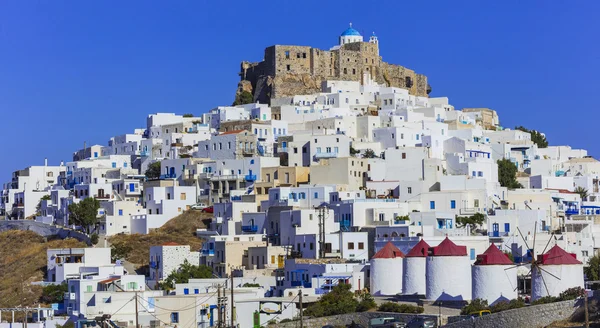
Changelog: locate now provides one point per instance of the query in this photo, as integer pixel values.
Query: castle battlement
(288, 70)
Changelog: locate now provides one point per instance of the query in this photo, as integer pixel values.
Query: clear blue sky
(75, 71)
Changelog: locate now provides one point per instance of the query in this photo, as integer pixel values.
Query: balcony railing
(283, 150)
(249, 228)
(326, 155)
(144, 153)
(208, 252)
(168, 176)
(572, 211)
(250, 177)
(498, 234)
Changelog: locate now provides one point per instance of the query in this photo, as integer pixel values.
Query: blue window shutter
(316, 195)
(114, 165)
(186, 291)
(452, 204)
(95, 154)
(432, 205)
(125, 164)
(196, 291)
(131, 187)
(507, 227)
(120, 212)
(472, 253)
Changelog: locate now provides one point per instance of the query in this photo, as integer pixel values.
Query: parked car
(386, 323)
(209, 209)
(421, 322)
(480, 313)
(199, 206)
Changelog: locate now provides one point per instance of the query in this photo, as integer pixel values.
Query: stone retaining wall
(44, 230)
(342, 320)
(529, 316)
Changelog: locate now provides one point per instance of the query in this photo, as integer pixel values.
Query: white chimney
(46, 161)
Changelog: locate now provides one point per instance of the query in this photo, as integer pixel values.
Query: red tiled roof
(231, 132)
(171, 243)
(109, 280)
(419, 250)
(562, 191)
(448, 248)
(389, 251)
(557, 256)
(493, 256)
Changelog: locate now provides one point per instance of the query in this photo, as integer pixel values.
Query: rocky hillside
(23, 261)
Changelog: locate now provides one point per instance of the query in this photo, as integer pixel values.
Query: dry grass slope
(181, 229)
(22, 261)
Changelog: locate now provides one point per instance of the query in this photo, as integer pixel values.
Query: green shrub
(545, 300)
(572, 293)
(250, 285)
(94, 238)
(400, 308)
(366, 303)
(476, 305)
(507, 305)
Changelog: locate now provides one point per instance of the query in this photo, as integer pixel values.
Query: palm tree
(583, 193)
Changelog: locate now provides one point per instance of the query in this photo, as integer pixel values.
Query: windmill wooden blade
(544, 281)
(548, 243)
(547, 272)
(516, 266)
(534, 235)
(525, 241)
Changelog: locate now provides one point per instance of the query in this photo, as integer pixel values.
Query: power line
(283, 308)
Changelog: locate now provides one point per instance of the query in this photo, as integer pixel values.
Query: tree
(38, 208)
(84, 213)
(507, 174)
(354, 151)
(537, 137)
(245, 97)
(472, 221)
(369, 153)
(475, 305)
(400, 308)
(54, 293)
(583, 193)
(250, 285)
(340, 300)
(188, 115)
(153, 171)
(591, 270)
(119, 251)
(186, 272)
(94, 238)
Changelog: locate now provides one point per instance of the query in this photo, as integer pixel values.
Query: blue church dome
(350, 31)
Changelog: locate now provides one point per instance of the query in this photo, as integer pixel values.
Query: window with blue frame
(125, 164)
(114, 165)
(480, 174)
(507, 227)
(95, 154)
(196, 291)
(432, 205)
(316, 195)
(474, 173)
(284, 144)
(150, 303)
(120, 212)
(131, 187)
(452, 204)
(174, 317)
(417, 137)
(251, 161)
(186, 291)
(472, 254)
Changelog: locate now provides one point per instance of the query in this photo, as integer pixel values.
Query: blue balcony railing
(249, 228)
(169, 176)
(251, 177)
(208, 252)
(144, 153)
(326, 155)
(572, 211)
(497, 234)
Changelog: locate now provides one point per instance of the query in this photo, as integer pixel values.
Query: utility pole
(220, 314)
(321, 216)
(232, 307)
(301, 315)
(587, 315)
(136, 310)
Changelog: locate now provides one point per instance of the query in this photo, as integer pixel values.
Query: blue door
(495, 229)
(172, 172)
(507, 227)
(131, 187)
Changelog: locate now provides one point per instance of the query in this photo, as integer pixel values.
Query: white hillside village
(363, 185)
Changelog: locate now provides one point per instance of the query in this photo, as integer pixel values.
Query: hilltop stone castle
(296, 70)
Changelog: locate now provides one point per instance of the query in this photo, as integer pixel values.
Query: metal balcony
(208, 252)
(250, 177)
(168, 176)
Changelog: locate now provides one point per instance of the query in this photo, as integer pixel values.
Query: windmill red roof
(419, 250)
(557, 256)
(448, 248)
(389, 251)
(493, 256)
